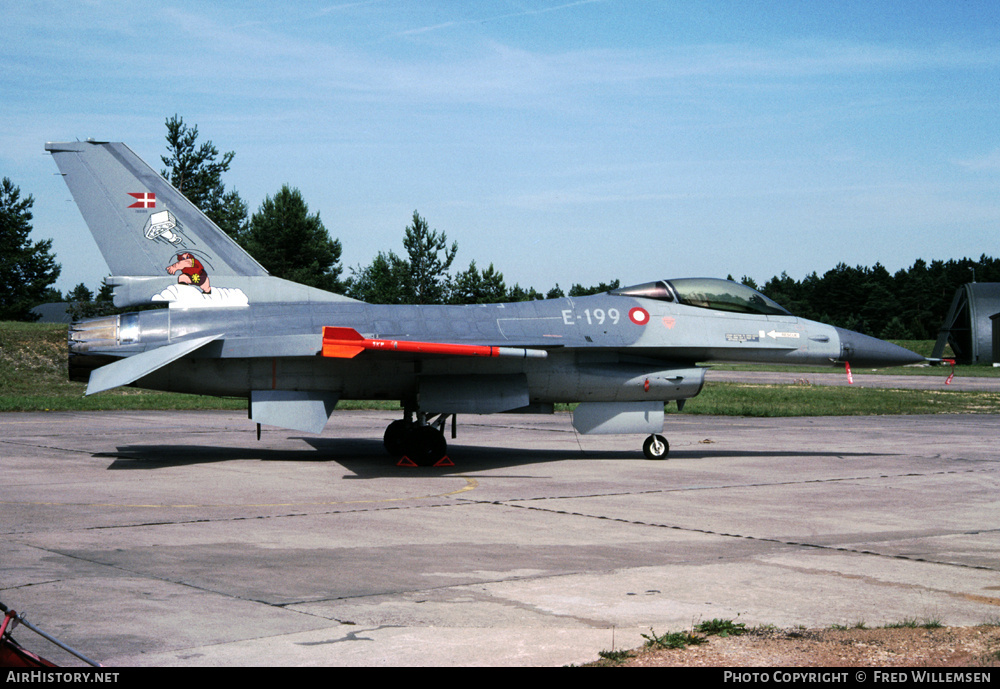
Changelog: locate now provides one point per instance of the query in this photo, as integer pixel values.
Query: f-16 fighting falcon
(294, 351)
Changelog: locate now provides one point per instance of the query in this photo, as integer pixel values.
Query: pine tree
(196, 171)
(426, 278)
(380, 282)
(292, 244)
(478, 287)
(27, 269)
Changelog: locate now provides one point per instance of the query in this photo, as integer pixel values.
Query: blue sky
(562, 141)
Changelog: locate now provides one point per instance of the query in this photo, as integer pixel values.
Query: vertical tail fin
(159, 246)
(140, 222)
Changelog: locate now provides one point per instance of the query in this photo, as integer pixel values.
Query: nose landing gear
(656, 447)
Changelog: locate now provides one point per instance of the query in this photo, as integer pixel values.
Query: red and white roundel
(639, 315)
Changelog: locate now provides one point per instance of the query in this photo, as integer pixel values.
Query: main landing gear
(421, 440)
(655, 447)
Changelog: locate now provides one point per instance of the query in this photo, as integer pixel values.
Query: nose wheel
(655, 447)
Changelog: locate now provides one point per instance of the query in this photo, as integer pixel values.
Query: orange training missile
(346, 343)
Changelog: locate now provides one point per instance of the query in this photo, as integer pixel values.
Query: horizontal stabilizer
(133, 368)
(346, 343)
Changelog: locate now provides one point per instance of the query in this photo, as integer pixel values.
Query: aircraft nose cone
(863, 350)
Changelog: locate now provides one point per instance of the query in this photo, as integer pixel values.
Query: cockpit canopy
(707, 293)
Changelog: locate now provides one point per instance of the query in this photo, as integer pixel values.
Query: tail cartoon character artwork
(293, 351)
(190, 271)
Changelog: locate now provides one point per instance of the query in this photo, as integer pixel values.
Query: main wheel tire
(395, 437)
(425, 445)
(656, 447)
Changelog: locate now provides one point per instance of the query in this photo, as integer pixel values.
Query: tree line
(910, 304)
(292, 243)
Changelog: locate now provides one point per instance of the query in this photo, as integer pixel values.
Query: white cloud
(984, 163)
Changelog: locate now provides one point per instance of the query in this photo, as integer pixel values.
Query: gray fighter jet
(230, 329)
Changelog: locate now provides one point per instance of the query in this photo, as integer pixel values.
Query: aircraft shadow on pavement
(367, 458)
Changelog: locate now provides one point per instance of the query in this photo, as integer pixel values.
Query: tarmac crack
(766, 484)
(141, 574)
(987, 600)
(42, 446)
(759, 539)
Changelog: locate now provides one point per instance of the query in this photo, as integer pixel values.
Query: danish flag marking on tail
(145, 199)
